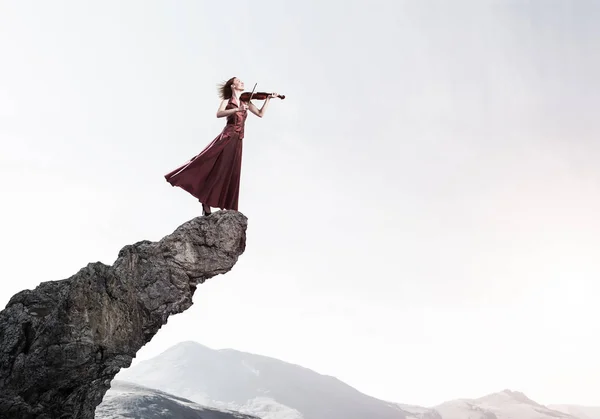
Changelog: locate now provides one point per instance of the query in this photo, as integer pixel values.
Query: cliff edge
(62, 343)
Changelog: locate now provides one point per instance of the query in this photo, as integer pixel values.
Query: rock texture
(62, 343)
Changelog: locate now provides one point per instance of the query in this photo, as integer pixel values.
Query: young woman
(213, 176)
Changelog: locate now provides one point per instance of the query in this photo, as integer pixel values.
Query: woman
(213, 176)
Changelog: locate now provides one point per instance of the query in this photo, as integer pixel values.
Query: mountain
(272, 389)
(254, 384)
(581, 412)
(128, 400)
(506, 404)
(418, 412)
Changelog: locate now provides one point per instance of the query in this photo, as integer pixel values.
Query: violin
(245, 97)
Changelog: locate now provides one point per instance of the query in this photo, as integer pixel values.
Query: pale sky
(423, 206)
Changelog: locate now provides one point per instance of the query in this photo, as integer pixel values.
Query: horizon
(137, 361)
(424, 203)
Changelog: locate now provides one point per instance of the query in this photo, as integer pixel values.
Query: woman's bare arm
(260, 112)
(222, 112)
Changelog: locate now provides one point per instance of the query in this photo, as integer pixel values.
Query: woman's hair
(225, 91)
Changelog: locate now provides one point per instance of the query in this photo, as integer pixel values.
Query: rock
(62, 343)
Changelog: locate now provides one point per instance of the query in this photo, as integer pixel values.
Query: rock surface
(62, 343)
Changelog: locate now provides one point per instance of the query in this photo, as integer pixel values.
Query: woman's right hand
(243, 107)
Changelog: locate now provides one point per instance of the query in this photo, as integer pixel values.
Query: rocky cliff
(62, 343)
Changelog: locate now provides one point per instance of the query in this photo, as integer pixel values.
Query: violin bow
(251, 94)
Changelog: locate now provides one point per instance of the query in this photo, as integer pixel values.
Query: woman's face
(237, 84)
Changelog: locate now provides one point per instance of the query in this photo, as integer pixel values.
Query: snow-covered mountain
(418, 412)
(273, 389)
(127, 400)
(503, 405)
(506, 404)
(581, 412)
(253, 384)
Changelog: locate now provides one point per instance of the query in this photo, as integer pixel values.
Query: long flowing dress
(213, 176)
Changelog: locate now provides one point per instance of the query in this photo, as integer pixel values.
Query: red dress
(213, 176)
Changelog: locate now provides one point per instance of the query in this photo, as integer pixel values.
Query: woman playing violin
(213, 176)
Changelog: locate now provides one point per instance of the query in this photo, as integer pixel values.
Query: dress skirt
(213, 176)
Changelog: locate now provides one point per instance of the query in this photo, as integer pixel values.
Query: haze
(423, 206)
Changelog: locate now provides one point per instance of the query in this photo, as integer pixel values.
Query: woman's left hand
(273, 95)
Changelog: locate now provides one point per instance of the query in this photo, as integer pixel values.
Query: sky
(423, 206)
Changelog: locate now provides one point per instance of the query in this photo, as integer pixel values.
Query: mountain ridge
(125, 399)
(234, 379)
(250, 377)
